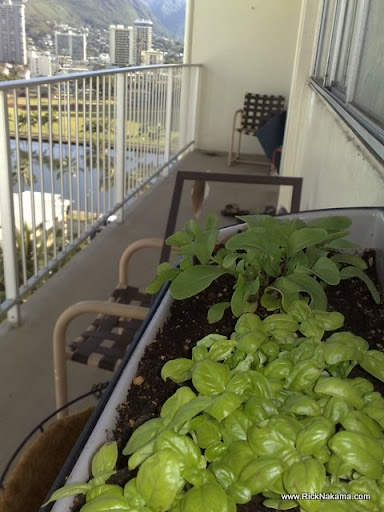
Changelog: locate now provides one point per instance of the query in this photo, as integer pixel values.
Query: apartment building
(13, 46)
(71, 44)
(121, 45)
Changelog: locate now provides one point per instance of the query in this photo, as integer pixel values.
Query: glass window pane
(348, 22)
(325, 42)
(369, 96)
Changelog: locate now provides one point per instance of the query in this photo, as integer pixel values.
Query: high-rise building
(70, 44)
(121, 45)
(143, 38)
(13, 45)
(40, 64)
(152, 57)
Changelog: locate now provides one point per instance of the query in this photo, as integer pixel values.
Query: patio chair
(258, 109)
(106, 340)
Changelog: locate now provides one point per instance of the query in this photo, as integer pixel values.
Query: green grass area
(77, 126)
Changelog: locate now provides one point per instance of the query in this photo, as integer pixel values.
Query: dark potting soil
(188, 323)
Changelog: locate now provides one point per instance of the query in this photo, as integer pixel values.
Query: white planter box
(367, 230)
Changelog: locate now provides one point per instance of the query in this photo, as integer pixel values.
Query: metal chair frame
(60, 348)
(257, 110)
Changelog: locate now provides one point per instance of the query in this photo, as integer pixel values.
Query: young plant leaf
(165, 272)
(104, 461)
(216, 312)
(210, 377)
(178, 370)
(303, 238)
(351, 259)
(334, 223)
(189, 411)
(373, 362)
(179, 239)
(194, 280)
(181, 397)
(312, 287)
(144, 434)
(349, 272)
(327, 270)
(69, 490)
(159, 479)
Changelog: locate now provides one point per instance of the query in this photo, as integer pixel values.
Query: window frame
(369, 129)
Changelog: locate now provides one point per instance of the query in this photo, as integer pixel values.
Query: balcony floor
(26, 373)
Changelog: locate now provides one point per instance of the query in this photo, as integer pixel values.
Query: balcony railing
(74, 150)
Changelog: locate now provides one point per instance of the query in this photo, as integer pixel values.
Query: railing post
(120, 115)
(8, 243)
(168, 116)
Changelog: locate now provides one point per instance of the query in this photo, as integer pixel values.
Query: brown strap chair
(106, 340)
(257, 110)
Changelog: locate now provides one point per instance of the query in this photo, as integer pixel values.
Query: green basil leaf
(302, 406)
(132, 494)
(335, 353)
(103, 502)
(209, 340)
(360, 451)
(194, 280)
(223, 405)
(189, 411)
(216, 312)
(279, 322)
(314, 435)
(207, 432)
(341, 388)
(234, 427)
(210, 497)
(210, 377)
(104, 489)
(330, 321)
(170, 407)
(159, 479)
(373, 363)
(188, 452)
(221, 350)
(299, 311)
(140, 455)
(260, 474)
(68, 490)
(248, 322)
(177, 370)
(143, 435)
(104, 461)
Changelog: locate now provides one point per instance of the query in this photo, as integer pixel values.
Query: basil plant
(273, 262)
(272, 410)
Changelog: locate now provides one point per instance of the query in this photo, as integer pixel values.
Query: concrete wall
(337, 168)
(245, 46)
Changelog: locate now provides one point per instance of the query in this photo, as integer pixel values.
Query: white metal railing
(73, 150)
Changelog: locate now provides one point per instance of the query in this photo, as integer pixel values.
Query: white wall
(245, 46)
(337, 168)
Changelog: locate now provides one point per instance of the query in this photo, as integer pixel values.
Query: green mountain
(40, 14)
